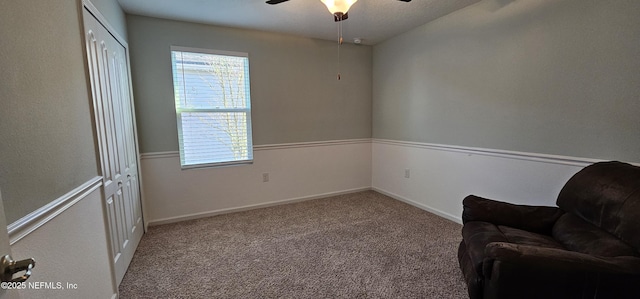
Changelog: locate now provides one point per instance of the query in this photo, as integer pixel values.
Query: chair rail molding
(528, 156)
(32, 221)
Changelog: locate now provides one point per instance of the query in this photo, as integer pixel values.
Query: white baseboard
(252, 207)
(456, 219)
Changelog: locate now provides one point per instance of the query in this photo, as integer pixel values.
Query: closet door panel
(113, 109)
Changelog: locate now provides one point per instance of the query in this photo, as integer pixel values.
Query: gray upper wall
(294, 91)
(543, 76)
(110, 10)
(46, 137)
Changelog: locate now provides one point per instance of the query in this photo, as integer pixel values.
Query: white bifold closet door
(113, 108)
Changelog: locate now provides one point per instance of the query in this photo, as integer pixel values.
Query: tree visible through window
(213, 106)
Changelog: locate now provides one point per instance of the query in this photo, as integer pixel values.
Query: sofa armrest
(537, 219)
(559, 259)
(528, 271)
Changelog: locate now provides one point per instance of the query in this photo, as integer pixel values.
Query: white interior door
(108, 69)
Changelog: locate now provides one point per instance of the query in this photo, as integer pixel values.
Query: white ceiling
(371, 20)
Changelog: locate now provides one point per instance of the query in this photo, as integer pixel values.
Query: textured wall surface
(46, 136)
(294, 91)
(542, 76)
(47, 145)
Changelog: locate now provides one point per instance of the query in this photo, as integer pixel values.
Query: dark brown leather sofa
(587, 247)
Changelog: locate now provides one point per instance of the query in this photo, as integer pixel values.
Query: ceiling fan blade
(405, 0)
(279, 1)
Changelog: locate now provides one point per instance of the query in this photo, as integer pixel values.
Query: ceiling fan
(338, 8)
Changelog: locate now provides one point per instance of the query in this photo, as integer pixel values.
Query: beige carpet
(361, 245)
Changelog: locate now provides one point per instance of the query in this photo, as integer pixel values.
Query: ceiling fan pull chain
(339, 44)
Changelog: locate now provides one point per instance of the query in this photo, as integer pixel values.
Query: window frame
(246, 110)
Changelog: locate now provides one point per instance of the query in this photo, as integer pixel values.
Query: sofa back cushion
(607, 195)
(578, 235)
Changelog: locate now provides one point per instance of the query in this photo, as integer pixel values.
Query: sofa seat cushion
(478, 234)
(578, 235)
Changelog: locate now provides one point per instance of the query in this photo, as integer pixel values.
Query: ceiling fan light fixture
(338, 6)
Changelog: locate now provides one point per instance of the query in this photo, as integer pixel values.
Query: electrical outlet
(407, 173)
(265, 177)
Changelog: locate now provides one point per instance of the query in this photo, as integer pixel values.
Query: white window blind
(213, 107)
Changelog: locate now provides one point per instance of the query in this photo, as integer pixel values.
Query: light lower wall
(296, 171)
(70, 248)
(541, 76)
(441, 176)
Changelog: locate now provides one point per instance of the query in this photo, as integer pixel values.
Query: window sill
(216, 165)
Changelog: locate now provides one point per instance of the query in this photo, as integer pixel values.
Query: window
(213, 107)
